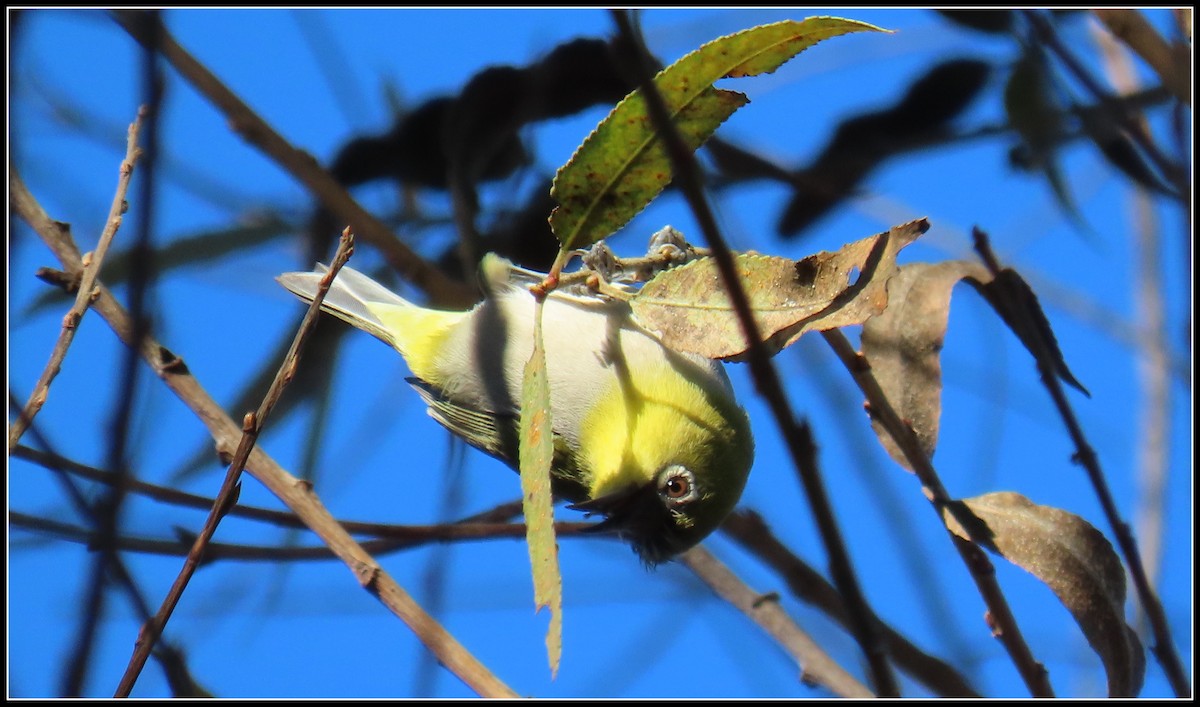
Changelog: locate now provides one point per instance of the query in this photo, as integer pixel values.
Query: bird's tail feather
(353, 297)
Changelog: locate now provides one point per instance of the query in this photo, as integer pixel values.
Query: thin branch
(166, 494)
(170, 658)
(464, 207)
(404, 537)
(816, 666)
(978, 564)
(83, 297)
(301, 165)
(688, 176)
(141, 278)
(251, 428)
(1085, 455)
(749, 530)
(296, 494)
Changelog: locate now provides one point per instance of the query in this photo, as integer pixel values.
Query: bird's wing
(497, 434)
(494, 433)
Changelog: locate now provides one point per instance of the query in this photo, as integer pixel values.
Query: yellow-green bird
(648, 437)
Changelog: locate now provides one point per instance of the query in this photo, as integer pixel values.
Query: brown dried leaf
(1074, 560)
(1015, 302)
(904, 344)
(690, 310)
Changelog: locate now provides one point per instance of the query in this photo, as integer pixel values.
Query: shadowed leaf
(1075, 561)
(904, 344)
(536, 455)
(1035, 113)
(862, 143)
(690, 310)
(622, 165)
(1120, 151)
(1030, 105)
(1015, 302)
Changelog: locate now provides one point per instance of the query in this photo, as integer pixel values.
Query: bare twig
(83, 297)
(752, 533)
(403, 537)
(688, 176)
(816, 666)
(296, 494)
(166, 494)
(492, 523)
(301, 165)
(251, 428)
(978, 564)
(1085, 455)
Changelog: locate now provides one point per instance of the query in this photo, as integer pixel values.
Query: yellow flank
(418, 334)
(654, 418)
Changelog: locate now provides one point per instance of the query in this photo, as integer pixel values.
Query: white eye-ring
(677, 485)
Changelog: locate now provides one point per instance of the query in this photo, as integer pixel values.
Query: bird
(650, 438)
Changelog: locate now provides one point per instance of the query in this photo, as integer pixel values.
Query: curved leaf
(904, 344)
(1017, 304)
(690, 310)
(622, 166)
(1075, 561)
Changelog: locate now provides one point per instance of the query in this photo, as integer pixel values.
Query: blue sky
(257, 629)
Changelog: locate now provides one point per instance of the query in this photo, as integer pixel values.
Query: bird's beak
(618, 508)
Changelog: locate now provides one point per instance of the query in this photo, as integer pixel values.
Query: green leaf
(622, 166)
(536, 456)
(689, 309)
(1074, 560)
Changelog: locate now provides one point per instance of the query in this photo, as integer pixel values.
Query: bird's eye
(677, 485)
